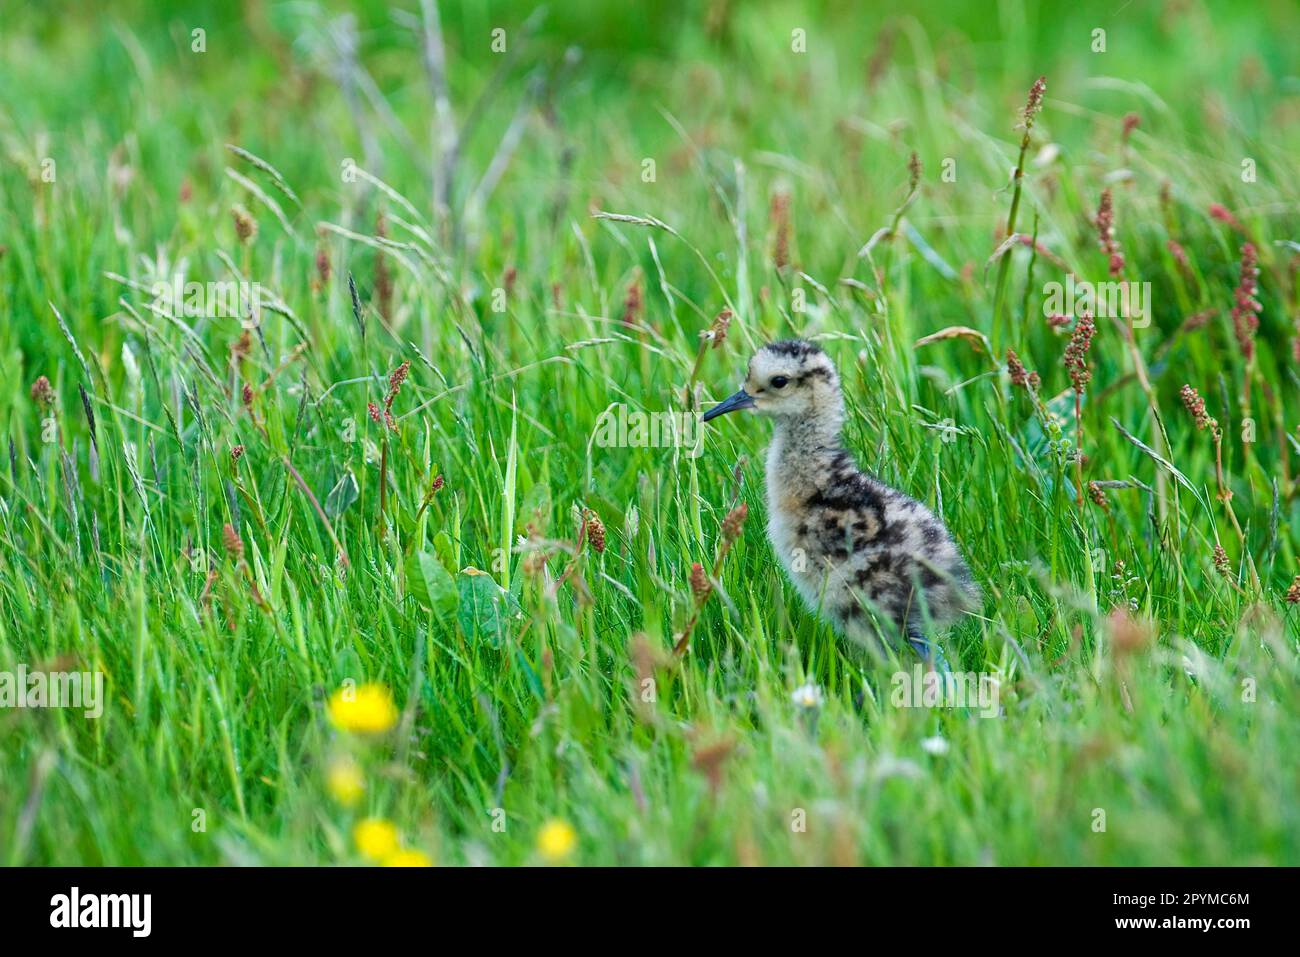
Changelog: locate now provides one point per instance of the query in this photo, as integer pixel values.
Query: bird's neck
(810, 434)
(804, 439)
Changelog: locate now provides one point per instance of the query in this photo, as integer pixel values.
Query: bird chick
(876, 562)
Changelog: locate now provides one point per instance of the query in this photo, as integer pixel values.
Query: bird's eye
(779, 382)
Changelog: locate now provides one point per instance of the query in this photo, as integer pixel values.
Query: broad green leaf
(445, 550)
(431, 584)
(485, 607)
(343, 494)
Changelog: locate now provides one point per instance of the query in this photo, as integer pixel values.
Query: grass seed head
(734, 523)
(1293, 593)
(1098, 496)
(700, 584)
(233, 543)
(1020, 375)
(717, 332)
(1195, 405)
(632, 303)
(710, 758)
(1034, 104)
(1076, 353)
(383, 278)
(1220, 212)
(1105, 223)
(396, 379)
(42, 392)
(779, 213)
(1245, 307)
(1128, 635)
(245, 224)
(534, 562)
(595, 531)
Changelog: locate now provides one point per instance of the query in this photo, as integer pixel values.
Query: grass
(533, 674)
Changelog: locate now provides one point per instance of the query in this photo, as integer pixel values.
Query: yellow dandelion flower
(376, 838)
(408, 858)
(556, 840)
(345, 782)
(368, 709)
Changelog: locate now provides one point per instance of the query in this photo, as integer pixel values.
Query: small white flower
(808, 697)
(888, 766)
(935, 745)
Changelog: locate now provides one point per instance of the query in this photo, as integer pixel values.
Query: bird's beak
(741, 400)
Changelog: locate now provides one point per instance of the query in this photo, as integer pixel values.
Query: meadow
(352, 360)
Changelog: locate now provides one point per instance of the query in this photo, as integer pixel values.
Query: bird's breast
(793, 523)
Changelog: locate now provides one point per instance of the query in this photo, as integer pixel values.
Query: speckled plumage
(874, 561)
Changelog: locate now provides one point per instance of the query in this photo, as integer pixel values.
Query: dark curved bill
(741, 400)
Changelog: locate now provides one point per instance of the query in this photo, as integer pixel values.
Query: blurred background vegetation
(135, 120)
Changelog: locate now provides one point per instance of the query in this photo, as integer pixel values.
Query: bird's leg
(930, 651)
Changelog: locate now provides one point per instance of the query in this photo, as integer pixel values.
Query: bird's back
(857, 549)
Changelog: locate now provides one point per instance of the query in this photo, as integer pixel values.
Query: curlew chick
(879, 564)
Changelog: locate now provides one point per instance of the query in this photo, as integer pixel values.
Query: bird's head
(791, 380)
